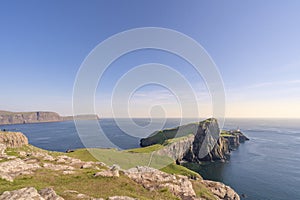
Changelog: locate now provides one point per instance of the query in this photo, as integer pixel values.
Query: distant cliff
(195, 142)
(7, 117)
(28, 117)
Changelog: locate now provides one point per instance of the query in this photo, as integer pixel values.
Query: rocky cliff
(7, 117)
(28, 117)
(195, 142)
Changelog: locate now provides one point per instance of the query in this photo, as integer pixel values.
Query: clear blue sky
(255, 44)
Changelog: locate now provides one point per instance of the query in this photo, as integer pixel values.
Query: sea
(267, 167)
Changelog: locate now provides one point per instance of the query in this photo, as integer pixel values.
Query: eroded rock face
(13, 139)
(28, 117)
(178, 150)
(152, 179)
(221, 191)
(202, 144)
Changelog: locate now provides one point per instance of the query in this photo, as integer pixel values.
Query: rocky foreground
(20, 162)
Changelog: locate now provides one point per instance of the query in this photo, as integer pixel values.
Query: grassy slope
(84, 182)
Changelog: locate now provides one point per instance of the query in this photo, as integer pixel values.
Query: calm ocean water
(266, 168)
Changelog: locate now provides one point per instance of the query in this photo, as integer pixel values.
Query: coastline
(25, 152)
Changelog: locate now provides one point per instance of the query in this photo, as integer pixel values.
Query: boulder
(153, 179)
(28, 193)
(220, 190)
(13, 139)
(49, 194)
(112, 172)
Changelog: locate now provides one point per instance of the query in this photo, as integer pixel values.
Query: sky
(255, 45)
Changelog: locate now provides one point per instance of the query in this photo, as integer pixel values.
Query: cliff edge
(195, 142)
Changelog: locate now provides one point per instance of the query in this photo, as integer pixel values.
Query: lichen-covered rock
(13, 168)
(220, 190)
(112, 172)
(2, 149)
(49, 194)
(151, 179)
(30, 193)
(13, 139)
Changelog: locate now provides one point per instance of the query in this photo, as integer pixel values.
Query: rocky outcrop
(220, 190)
(30, 193)
(207, 143)
(13, 139)
(153, 179)
(198, 142)
(49, 194)
(178, 150)
(220, 151)
(234, 137)
(112, 172)
(13, 168)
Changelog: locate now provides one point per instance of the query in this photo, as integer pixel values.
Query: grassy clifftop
(159, 137)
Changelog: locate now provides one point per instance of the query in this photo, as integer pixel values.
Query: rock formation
(153, 179)
(7, 117)
(181, 186)
(13, 139)
(220, 190)
(28, 117)
(31, 193)
(195, 142)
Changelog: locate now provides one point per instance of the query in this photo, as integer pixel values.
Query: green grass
(180, 170)
(159, 137)
(84, 182)
(225, 133)
(202, 191)
(124, 159)
(147, 149)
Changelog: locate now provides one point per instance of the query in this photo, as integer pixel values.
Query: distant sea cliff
(7, 117)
